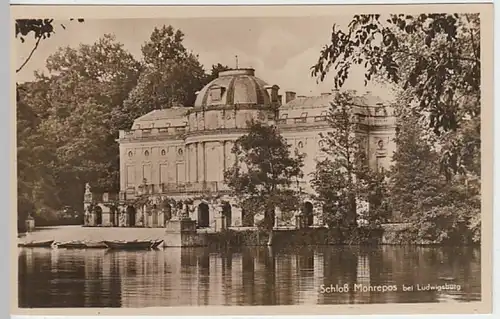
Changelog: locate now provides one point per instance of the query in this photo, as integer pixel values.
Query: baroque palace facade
(174, 159)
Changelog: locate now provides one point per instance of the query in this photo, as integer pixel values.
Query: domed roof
(232, 87)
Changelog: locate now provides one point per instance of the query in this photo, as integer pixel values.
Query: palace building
(176, 157)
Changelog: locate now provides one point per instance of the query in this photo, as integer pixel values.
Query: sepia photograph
(273, 158)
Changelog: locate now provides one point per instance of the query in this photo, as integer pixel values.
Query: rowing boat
(72, 245)
(37, 244)
(129, 245)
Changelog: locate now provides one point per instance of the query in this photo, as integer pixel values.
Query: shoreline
(95, 236)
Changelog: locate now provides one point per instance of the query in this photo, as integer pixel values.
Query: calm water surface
(247, 276)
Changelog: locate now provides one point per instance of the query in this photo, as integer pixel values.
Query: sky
(281, 50)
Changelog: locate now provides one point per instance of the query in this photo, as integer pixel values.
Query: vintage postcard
(253, 160)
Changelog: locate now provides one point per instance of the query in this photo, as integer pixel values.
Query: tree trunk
(269, 224)
(353, 220)
(340, 234)
(271, 237)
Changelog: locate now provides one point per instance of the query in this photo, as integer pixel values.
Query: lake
(247, 276)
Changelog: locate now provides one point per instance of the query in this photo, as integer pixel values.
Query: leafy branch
(40, 28)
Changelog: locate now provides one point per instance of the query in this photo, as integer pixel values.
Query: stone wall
(297, 237)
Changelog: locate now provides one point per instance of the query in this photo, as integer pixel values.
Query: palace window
(321, 117)
(216, 93)
(146, 153)
(163, 152)
(283, 118)
(130, 154)
(302, 118)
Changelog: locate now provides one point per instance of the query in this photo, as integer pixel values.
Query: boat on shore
(129, 245)
(156, 244)
(37, 244)
(72, 245)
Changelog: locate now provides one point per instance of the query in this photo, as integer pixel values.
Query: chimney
(280, 99)
(272, 90)
(289, 96)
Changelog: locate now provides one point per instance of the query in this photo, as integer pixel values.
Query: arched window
(146, 153)
(130, 154)
(163, 153)
(300, 145)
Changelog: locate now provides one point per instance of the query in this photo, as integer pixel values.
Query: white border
(236, 2)
(5, 129)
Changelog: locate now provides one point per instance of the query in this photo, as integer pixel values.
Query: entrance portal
(308, 213)
(131, 216)
(167, 213)
(98, 215)
(155, 216)
(112, 216)
(247, 219)
(227, 213)
(203, 215)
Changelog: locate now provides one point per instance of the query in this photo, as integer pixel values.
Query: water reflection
(247, 276)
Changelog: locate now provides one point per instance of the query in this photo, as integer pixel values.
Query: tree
(415, 177)
(73, 113)
(171, 74)
(344, 176)
(433, 57)
(86, 88)
(36, 186)
(40, 28)
(439, 210)
(263, 174)
(214, 73)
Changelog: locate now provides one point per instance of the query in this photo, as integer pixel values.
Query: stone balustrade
(152, 132)
(173, 188)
